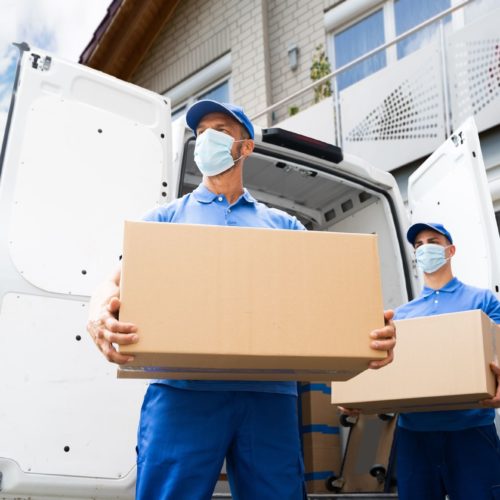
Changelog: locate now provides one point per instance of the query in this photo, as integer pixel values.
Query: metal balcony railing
(406, 109)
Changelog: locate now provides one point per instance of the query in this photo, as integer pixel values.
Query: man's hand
(493, 402)
(350, 412)
(384, 339)
(106, 330)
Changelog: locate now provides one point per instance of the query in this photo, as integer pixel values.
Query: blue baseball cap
(422, 226)
(201, 108)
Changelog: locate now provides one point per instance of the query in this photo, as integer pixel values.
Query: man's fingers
(387, 332)
(384, 339)
(111, 354)
(388, 315)
(117, 338)
(495, 369)
(115, 326)
(375, 365)
(114, 305)
(491, 403)
(383, 345)
(350, 412)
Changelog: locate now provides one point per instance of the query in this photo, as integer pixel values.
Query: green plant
(293, 110)
(321, 67)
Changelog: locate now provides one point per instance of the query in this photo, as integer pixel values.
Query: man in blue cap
(456, 452)
(188, 427)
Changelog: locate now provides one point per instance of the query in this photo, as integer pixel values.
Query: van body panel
(451, 187)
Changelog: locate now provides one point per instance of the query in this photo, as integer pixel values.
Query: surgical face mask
(430, 257)
(212, 152)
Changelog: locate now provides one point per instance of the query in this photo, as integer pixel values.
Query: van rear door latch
(40, 63)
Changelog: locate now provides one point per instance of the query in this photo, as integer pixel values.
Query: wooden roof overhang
(125, 35)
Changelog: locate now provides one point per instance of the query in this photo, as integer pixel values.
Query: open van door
(82, 152)
(451, 187)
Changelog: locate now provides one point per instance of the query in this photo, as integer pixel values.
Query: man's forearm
(103, 294)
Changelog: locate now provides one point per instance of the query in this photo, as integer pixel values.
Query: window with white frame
(355, 30)
(219, 92)
(212, 82)
(356, 40)
(408, 14)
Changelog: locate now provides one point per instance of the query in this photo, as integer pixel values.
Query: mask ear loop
(241, 156)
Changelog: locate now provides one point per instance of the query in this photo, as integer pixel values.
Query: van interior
(324, 198)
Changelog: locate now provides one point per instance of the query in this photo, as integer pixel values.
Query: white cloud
(63, 27)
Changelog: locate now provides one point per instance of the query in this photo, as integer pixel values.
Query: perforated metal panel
(474, 70)
(396, 115)
(408, 112)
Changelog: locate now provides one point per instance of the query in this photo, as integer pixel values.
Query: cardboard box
(316, 405)
(320, 434)
(216, 302)
(440, 363)
(322, 458)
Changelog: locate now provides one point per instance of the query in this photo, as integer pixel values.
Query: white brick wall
(201, 31)
(300, 23)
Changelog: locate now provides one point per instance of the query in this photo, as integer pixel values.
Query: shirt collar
(451, 286)
(204, 195)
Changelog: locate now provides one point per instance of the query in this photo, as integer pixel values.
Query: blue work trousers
(184, 436)
(463, 464)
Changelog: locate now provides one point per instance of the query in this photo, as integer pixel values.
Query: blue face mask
(430, 257)
(212, 152)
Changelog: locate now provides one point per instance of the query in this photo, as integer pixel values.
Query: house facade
(423, 68)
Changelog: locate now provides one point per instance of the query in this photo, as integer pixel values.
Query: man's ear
(452, 250)
(247, 147)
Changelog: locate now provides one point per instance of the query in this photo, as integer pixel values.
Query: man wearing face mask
(456, 452)
(188, 427)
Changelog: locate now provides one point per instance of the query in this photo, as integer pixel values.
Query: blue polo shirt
(455, 296)
(204, 207)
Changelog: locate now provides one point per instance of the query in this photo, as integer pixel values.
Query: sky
(62, 27)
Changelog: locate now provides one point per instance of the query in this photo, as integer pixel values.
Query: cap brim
(421, 226)
(199, 109)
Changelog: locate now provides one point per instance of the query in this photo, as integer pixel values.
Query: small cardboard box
(440, 363)
(233, 303)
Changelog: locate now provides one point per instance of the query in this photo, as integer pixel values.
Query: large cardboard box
(440, 363)
(216, 302)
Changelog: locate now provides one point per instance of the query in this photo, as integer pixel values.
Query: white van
(82, 152)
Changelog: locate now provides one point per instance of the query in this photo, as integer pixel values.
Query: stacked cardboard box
(320, 435)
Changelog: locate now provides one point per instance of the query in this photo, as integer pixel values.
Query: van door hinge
(40, 63)
(457, 140)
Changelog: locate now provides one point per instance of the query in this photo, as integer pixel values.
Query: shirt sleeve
(152, 216)
(163, 213)
(297, 225)
(492, 307)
